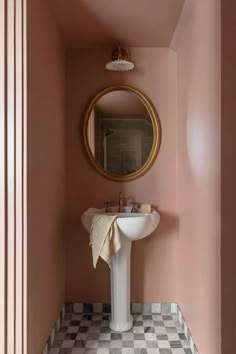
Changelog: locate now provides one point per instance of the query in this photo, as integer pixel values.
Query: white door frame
(13, 173)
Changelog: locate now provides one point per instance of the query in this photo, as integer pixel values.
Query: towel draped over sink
(104, 238)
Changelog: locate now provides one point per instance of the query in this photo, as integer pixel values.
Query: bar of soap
(145, 208)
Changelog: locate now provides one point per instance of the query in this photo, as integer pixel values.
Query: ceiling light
(119, 61)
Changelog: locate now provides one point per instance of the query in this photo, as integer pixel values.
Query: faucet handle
(108, 208)
(133, 210)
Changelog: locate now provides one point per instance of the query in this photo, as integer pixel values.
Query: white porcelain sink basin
(134, 226)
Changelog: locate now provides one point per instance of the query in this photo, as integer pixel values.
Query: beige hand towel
(104, 238)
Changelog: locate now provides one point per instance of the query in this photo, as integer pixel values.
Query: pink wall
(228, 177)
(154, 258)
(46, 175)
(197, 42)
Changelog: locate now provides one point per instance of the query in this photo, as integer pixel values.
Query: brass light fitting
(120, 61)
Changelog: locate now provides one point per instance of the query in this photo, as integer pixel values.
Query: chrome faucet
(120, 202)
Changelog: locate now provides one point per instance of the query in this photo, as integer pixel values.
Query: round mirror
(122, 133)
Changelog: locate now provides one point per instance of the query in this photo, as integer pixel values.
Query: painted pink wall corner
(197, 43)
(154, 258)
(228, 176)
(46, 174)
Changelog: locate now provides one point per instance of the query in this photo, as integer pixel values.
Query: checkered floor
(90, 334)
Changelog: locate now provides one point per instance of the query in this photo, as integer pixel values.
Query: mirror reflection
(120, 132)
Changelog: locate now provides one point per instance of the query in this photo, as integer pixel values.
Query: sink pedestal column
(121, 319)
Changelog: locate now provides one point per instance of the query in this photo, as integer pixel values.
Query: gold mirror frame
(156, 134)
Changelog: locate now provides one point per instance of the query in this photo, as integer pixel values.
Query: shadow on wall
(168, 225)
(169, 222)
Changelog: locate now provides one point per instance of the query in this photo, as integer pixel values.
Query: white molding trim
(2, 180)
(13, 125)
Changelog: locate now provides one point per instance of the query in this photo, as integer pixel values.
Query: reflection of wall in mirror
(91, 132)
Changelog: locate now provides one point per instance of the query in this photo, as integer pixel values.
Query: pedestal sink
(132, 227)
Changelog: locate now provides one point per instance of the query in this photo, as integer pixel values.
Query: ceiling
(121, 104)
(102, 23)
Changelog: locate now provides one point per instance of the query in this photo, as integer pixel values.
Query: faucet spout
(120, 202)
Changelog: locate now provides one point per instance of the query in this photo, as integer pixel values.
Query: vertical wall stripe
(2, 178)
(24, 156)
(19, 174)
(12, 177)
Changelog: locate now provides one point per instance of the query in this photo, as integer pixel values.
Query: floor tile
(89, 333)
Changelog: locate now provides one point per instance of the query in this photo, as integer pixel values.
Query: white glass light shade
(120, 61)
(119, 65)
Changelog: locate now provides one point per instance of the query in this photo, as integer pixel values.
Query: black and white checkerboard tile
(89, 333)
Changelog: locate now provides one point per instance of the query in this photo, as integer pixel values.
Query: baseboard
(136, 308)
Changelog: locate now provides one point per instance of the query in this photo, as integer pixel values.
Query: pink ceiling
(135, 23)
(120, 104)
